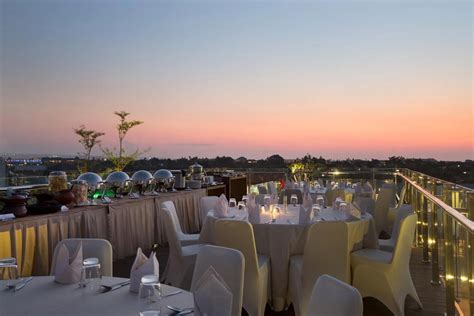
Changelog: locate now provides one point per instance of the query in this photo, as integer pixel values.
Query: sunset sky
(340, 79)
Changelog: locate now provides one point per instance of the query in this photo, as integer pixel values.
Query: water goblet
(91, 275)
(9, 271)
(232, 202)
(150, 291)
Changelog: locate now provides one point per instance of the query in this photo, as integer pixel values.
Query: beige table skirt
(127, 224)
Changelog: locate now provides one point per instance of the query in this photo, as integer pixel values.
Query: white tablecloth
(285, 237)
(43, 297)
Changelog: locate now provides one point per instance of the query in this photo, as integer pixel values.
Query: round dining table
(44, 297)
(283, 234)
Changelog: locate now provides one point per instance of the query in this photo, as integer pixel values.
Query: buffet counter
(126, 223)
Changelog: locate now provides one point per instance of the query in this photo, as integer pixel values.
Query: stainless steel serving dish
(119, 182)
(196, 172)
(143, 181)
(164, 180)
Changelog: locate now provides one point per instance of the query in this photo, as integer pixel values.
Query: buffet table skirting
(127, 224)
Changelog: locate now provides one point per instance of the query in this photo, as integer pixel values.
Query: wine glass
(232, 202)
(91, 276)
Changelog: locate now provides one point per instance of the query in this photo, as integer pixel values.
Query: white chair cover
(332, 297)
(365, 205)
(229, 264)
(384, 275)
(402, 212)
(326, 252)
(381, 210)
(207, 204)
(239, 235)
(185, 239)
(180, 266)
(91, 248)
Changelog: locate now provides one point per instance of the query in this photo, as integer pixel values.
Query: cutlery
(172, 293)
(181, 311)
(21, 284)
(108, 288)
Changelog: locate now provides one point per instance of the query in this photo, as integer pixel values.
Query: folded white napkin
(7, 217)
(68, 268)
(212, 296)
(142, 265)
(307, 200)
(253, 210)
(221, 208)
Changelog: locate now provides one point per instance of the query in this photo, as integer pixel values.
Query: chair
(91, 248)
(392, 211)
(288, 193)
(272, 189)
(384, 275)
(393, 187)
(239, 235)
(389, 244)
(365, 204)
(207, 204)
(331, 195)
(331, 297)
(229, 264)
(262, 189)
(185, 239)
(325, 252)
(381, 210)
(180, 266)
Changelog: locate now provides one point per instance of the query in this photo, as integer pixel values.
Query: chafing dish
(164, 180)
(143, 181)
(119, 182)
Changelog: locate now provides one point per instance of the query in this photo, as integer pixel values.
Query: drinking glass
(294, 199)
(9, 271)
(91, 275)
(150, 289)
(245, 199)
(232, 202)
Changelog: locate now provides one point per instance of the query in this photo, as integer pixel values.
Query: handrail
(441, 180)
(467, 223)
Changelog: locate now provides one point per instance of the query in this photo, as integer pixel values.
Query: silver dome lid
(163, 174)
(117, 178)
(92, 179)
(142, 177)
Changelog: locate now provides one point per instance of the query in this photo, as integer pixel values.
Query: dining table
(42, 296)
(279, 235)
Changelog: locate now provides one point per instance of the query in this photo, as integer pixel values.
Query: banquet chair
(262, 189)
(229, 264)
(272, 188)
(239, 235)
(389, 244)
(207, 204)
(288, 193)
(393, 187)
(91, 248)
(381, 210)
(185, 239)
(328, 257)
(332, 297)
(392, 211)
(180, 266)
(331, 195)
(365, 205)
(384, 275)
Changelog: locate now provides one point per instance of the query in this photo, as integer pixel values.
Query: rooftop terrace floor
(432, 297)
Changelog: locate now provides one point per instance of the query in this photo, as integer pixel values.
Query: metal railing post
(434, 237)
(470, 210)
(424, 221)
(449, 264)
